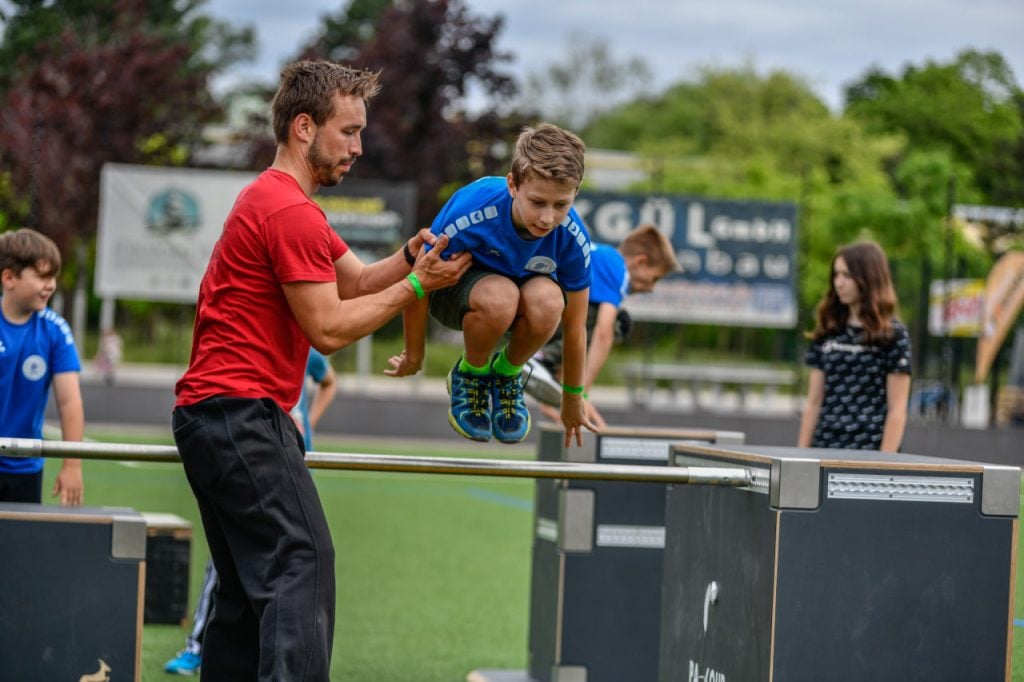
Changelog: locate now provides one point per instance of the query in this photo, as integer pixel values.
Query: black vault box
(72, 594)
(840, 565)
(595, 594)
(168, 558)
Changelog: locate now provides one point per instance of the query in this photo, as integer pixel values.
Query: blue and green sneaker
(510, 420)
(470, 413)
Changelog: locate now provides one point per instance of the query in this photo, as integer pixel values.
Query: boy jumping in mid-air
(531, 271)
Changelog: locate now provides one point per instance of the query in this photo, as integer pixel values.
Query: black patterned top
(854, 406)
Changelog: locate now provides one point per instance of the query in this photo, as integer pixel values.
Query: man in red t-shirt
(280, 279)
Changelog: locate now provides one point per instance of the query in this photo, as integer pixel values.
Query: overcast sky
(829, 42)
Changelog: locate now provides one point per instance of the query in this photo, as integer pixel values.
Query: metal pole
(725, 476)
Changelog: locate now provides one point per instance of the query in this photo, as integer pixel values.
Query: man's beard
(325, 172)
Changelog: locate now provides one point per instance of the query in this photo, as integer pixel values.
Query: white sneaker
(539, 383)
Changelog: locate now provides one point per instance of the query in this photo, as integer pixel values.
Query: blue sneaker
(510, 420)
(470, 413)
(185, 663)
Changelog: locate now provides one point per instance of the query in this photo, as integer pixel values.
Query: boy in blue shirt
(36, 349)
(530, 273)
(642, 258)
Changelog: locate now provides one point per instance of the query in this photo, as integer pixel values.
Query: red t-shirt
(246, 342)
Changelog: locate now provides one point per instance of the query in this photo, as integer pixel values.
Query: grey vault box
(72, 599)
(595, 594)
(839, 565)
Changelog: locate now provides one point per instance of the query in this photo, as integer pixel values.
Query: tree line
(129, 81)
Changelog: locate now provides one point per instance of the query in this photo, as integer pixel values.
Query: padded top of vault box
(794, 476)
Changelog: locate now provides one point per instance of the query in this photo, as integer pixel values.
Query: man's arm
(67, 396)
(357, 279)
(330, 322)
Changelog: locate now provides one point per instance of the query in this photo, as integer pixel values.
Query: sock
(503, 367)
(467, 368)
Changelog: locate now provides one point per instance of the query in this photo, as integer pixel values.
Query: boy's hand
(574, 417)
(435, 272)
(594, 415)
(403, 365)
(69, 484)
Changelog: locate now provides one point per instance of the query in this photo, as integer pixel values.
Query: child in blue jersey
(36, 350)
(643, 257)
(312, 404)
(530, 273)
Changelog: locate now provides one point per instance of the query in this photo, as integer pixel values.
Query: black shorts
(449, 306)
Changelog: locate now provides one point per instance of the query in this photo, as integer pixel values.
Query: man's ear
(511, 184)
(303, 128)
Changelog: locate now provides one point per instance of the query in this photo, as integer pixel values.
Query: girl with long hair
(859, 358)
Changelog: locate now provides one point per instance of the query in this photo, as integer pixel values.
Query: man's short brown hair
(548, 152)
(647, 240)
(308, 87)
(26, 248)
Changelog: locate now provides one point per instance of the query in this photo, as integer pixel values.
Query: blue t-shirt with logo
(478, 219)
(609, 279)
(30, 354)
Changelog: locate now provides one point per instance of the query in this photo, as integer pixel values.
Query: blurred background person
(859, 358)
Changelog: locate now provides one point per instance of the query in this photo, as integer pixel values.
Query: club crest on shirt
(34, 367)
(540, 264)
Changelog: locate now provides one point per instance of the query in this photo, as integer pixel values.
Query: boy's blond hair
(550, 153)
(647, 240)
(26, 248)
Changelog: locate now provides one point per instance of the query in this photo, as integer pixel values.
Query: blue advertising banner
(738, 257)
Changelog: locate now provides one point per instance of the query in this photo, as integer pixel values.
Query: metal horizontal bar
(725, 476)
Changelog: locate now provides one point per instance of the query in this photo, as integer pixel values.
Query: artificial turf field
(432, 571)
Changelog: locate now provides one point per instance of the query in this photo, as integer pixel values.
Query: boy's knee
(543, 308)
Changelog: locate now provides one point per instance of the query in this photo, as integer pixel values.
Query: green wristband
(572, 390)
(416, 286)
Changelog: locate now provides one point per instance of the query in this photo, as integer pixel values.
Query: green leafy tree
(971, 107)
(86, 83)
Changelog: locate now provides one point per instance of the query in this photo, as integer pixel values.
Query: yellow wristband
(572, 390)
(416, 286)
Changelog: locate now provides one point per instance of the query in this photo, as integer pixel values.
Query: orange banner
(1004, 297)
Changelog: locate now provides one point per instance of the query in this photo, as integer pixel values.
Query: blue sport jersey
(478, 219)
(316, 369)
(609, 279)
(30, 354)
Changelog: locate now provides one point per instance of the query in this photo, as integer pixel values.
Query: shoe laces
(509, 395)
(475, 393)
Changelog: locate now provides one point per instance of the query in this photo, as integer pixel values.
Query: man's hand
(435, 272)
(423, 236)
(402, 365)
(69, 484)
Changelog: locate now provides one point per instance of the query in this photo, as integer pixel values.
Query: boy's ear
(511, 184)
